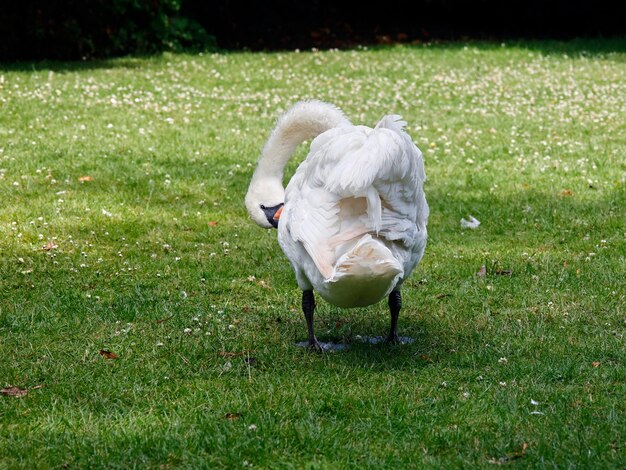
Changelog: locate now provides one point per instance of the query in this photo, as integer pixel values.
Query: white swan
(353, 217)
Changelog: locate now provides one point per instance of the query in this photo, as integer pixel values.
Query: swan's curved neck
(303, 121)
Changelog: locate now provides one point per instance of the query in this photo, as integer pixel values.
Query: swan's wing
(320, 219)
(382, 165)
(356, 180)
(311, 219)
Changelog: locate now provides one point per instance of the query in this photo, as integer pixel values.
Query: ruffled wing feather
(357, 180)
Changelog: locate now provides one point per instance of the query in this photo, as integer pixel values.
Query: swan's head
(264, 201)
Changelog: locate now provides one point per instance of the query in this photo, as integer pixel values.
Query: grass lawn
(122, 228)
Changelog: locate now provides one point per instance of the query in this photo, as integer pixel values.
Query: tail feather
(369, 257)
(363, 275)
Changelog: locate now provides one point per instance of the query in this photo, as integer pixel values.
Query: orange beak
(278, 212)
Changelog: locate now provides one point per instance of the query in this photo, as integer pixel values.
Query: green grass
(529, 138)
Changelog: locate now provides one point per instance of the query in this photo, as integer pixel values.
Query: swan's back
(354, 220)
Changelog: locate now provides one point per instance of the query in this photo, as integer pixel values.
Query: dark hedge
(75, 29)
(326, 23)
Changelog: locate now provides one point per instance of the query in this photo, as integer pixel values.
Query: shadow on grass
(131, 62)
(555, 223)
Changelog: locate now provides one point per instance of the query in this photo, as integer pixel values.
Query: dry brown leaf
(229, 354)
(108, 354)
(232, 416)
(165, 319)
(510, 457)
(233, 354)
(595, 363)
(50, 246)
(212, 223)
(14, 392)
(567, 192)
(83, 179)
(442, 296)
(482, 272)
(504, 272)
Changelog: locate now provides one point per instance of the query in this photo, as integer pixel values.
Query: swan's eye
(263, 207)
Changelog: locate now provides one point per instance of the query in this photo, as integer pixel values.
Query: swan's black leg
(395, 304)
(308, 307)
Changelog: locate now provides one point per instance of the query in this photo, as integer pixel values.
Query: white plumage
(353, 224)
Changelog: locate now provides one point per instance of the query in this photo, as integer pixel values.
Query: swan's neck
(279, 148)
(303, 121)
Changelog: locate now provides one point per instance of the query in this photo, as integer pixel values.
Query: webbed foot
(393, 339)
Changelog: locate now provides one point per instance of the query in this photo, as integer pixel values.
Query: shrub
(74, 29)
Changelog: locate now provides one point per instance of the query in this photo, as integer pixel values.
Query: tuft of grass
(122, 228)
